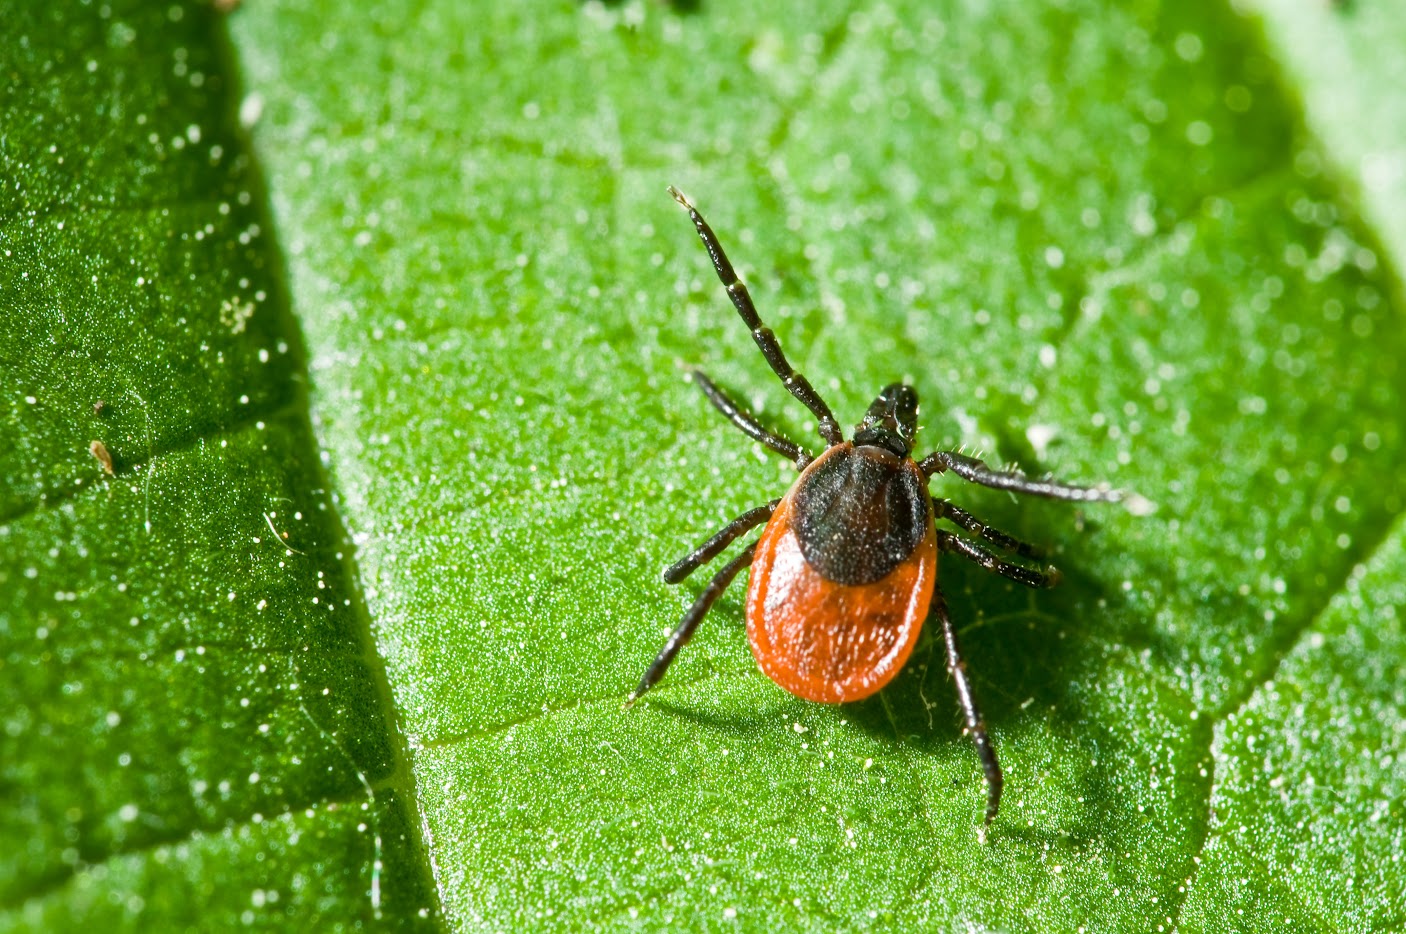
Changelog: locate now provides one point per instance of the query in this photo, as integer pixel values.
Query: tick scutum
(859, 512)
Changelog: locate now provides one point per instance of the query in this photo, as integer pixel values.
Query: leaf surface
(196, 733)
(1101, 242)
(1097, 241)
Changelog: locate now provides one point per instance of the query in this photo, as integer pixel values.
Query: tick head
(892, 420)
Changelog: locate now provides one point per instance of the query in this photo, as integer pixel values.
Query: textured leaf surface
(1097, 241)
(194, 736)
(1102, 242)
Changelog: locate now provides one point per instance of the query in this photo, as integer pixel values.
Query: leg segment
(748, 423)
(946, 541)
(714, 546)
(795, 383)
(977, 471)
(976, 725)
(684, 631)
(942, 509)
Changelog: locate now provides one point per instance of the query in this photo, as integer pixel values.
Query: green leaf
(195, 731)
(1102, 242)
(1343, 59)
(1106, 224)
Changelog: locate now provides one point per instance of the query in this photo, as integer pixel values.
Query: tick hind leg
(794, 382)
(684, 631)
(748, 423)
(715, 545)
(976, 724)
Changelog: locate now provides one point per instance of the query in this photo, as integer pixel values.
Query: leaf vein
(1237, 702)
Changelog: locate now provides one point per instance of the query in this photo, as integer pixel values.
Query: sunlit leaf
(1103, 242)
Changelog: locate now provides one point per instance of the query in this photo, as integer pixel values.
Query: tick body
(844, 574)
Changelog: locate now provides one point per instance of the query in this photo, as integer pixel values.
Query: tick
(844, 573)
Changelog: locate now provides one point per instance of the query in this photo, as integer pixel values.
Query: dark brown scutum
(859, 513)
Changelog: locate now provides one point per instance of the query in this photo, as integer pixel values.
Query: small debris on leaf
(99, 450)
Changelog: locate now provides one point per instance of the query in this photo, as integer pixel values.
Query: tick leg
(945, 510)
(946, 541)
(684, 631)
(748, 422)
(794, 382)
(977, 471)
(721, 539)
(976, 725)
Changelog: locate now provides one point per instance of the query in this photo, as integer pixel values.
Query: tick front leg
(766, 341)
(976, 724)
(748, 422)
(721, 539)
(977, 471)
(684, 631)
